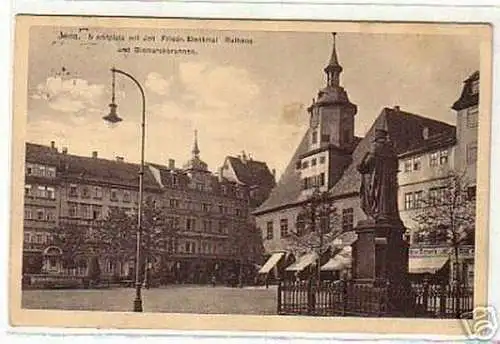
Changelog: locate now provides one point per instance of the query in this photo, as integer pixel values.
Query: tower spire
(196, 150)
(333, 69)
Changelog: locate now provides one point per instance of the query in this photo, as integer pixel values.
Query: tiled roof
(467, 97)
(252, 172)
(36, 153)
(89, 168)
(405, 130)
(288, 188)
(442, 140)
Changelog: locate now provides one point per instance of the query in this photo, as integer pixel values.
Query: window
(322, 179)
(96, 212)
(51, 192)
(200, 186)
(409, 200)
(238, 212)
(174, 203)
(27, 190)
(419, 195)
(85, 211)
(97, 192)
(298, 165)
(437, 196)
(407, 165)
(72, 209)
(347, 219)
(474, 89)
(416, 164)
(305, 164)
(29, 169)
(313, 162)
(85, 192)
(28, 215)
(224, 189)
(443, 157)
(114, 195)
(472, 153)
(73, 191)
(433, 159)
(40, 214)
(42, 191)
(472, 117)
(175, 180)
(187, 247)
(191, 224)
(51, 171)
(27, 237)
(322, 159)
(126, 196)
(269, 233)
(284, 228)
(314, 137)
(205, 207)
(207, 226)
(49, 215)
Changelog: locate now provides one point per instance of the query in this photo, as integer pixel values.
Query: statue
(379, 185)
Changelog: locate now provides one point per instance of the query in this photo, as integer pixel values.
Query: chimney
(397, 108)
(94, 154)
(274, 173)
(171, 164)
(65, 150)
(52, 144)
(118, 158)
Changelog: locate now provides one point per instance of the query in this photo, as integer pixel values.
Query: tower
(331, 131)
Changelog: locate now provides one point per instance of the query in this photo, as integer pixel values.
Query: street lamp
(113, 118)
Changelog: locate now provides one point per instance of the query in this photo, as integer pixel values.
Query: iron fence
(338, 298)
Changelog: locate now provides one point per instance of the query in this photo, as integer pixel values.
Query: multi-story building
(329, 153)
(68, 193)
(41, 209)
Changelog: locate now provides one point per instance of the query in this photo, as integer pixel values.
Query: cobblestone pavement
(170, 299)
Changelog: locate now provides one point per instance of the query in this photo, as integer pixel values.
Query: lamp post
(114, 118)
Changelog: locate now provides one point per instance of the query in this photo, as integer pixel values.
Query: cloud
(68, 95)
(157, 83)
(217, 86)
(293, 113)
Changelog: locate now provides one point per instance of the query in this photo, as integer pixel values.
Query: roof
(467, 97)
(442, 140)
(252, 172)
(405, 131)
(105, 170)
(89, 168)
(36, 153)
(288, 188)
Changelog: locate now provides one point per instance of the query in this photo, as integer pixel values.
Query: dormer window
(425, 133)
(475, 87)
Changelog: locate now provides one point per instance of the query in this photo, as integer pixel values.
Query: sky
(238, 96)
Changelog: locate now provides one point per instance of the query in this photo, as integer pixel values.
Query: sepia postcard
(251, 175)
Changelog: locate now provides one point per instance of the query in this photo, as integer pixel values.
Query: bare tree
(447, 215)
(318, 226)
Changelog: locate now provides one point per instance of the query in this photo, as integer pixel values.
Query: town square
(257, 173)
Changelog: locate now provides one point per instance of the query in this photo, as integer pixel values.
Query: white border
(386, 10)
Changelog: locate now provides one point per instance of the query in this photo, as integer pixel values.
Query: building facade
(66, 193)
(329, 153)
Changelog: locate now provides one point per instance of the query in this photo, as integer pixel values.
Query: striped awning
(271, 262)
(430, 265)
(303, 262)
(341, 261)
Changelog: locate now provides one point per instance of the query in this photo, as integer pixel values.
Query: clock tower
(331, 131)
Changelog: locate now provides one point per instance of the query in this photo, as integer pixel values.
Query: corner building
(329, 152)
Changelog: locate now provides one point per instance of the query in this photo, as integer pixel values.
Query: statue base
(380, 261)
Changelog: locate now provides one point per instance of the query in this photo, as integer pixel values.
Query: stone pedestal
(380, 260)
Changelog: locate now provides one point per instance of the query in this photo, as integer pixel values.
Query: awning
(422, 265)
(303, 262)
(271, 262)
(341, 261)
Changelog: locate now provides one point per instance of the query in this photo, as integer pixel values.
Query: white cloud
(218, 86)
(157, 83)
(68, 95)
